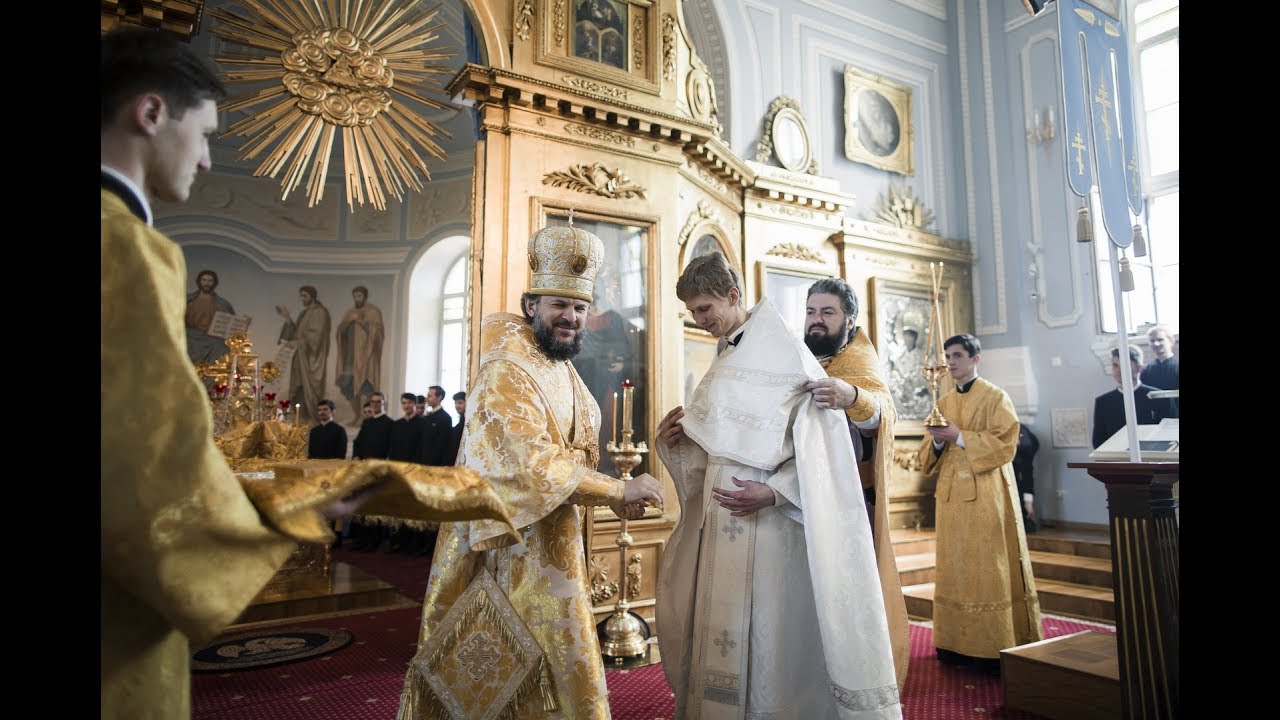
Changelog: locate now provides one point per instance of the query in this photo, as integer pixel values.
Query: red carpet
(362, 681)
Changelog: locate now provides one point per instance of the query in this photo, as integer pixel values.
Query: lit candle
(613, 419)
(937, 309)
(297, 414)
(231, 379)
(627, 390)
(928, 334)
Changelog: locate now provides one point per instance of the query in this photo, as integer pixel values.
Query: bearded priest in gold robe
(985, 596)
(857, 389)
(507, 626)
(769, 598)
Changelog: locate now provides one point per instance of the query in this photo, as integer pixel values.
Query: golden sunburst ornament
(336, 64)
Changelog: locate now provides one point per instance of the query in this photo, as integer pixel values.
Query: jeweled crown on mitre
(564, 261)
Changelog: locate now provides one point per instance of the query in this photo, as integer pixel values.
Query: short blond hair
(709, 274)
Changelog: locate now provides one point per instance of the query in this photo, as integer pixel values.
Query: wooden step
(1084, 543)
(1077, 569)
(911, 542)
(1086, 602)
(1058, 598)
(919, 599)
(1064, 678)
(916, 569)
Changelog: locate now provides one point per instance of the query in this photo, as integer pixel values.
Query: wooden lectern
(1144, 556)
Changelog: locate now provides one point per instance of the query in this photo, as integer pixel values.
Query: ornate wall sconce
(1042, 126)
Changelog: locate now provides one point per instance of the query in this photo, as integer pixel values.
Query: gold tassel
(1139, 242)
(1126, 276)
(544, 683)
(1084, 225)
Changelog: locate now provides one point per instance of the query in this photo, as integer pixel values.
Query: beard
(555, 349)
(824, 344)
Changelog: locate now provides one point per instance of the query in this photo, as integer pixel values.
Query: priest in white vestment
(769, 602)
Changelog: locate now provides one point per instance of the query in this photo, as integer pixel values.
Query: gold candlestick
(934, 371)
(625, 634)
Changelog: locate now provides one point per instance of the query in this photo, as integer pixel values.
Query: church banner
(1101, 144)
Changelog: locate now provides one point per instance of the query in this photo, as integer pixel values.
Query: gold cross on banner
(1077, 142)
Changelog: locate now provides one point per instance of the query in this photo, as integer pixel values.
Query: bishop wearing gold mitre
(507, 626)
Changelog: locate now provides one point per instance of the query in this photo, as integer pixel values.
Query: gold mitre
(564, 261)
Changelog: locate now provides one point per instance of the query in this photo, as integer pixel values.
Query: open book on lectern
(1155, 443)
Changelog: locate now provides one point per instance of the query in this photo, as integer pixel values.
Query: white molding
(935, 8)
(930, 80)
(290, 260)
(881, 27)
(1001, 325)
(776, 26)
(1036, 243)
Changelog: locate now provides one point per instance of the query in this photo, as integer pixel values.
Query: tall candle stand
(625, 633)
(934, 371)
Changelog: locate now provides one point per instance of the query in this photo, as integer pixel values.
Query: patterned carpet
(362, 681)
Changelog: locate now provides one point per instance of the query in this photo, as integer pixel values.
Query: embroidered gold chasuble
(778, 614)
(183, 549)
(985, 595)
(858, 364)
(532, 430)
(186, 543)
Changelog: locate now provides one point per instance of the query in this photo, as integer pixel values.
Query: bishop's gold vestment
(985, 595)
(533, 431)
(183, 549)
(858, 364)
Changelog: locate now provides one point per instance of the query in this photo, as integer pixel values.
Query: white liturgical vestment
(777, 614)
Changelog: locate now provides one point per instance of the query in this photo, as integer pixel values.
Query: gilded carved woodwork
(557, 22)
(637, 41)
(907, 459)
(901, 208)
(633, 574)
(524, 17)
(796, 251)
(595, 179)
(601, 588)
(668, 46)
(704, 212)
(179, 17)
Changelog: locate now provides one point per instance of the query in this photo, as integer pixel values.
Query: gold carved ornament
(352, 68)
(902, 209)
(595, 179)
(796, 251)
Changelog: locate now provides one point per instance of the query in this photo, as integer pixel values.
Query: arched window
(453, 331)
(1154, 298)
(437, 335)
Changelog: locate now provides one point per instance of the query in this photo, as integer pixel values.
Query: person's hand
(351, 503)
(632, 511)
(1030, 505)
(945, 434)
(832, 393)
(283, 312)
(751, 498)
(670, 430)
(643, 489)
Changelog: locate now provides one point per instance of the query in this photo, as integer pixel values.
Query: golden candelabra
(625, 634)
(933, 371)
(236, 384)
